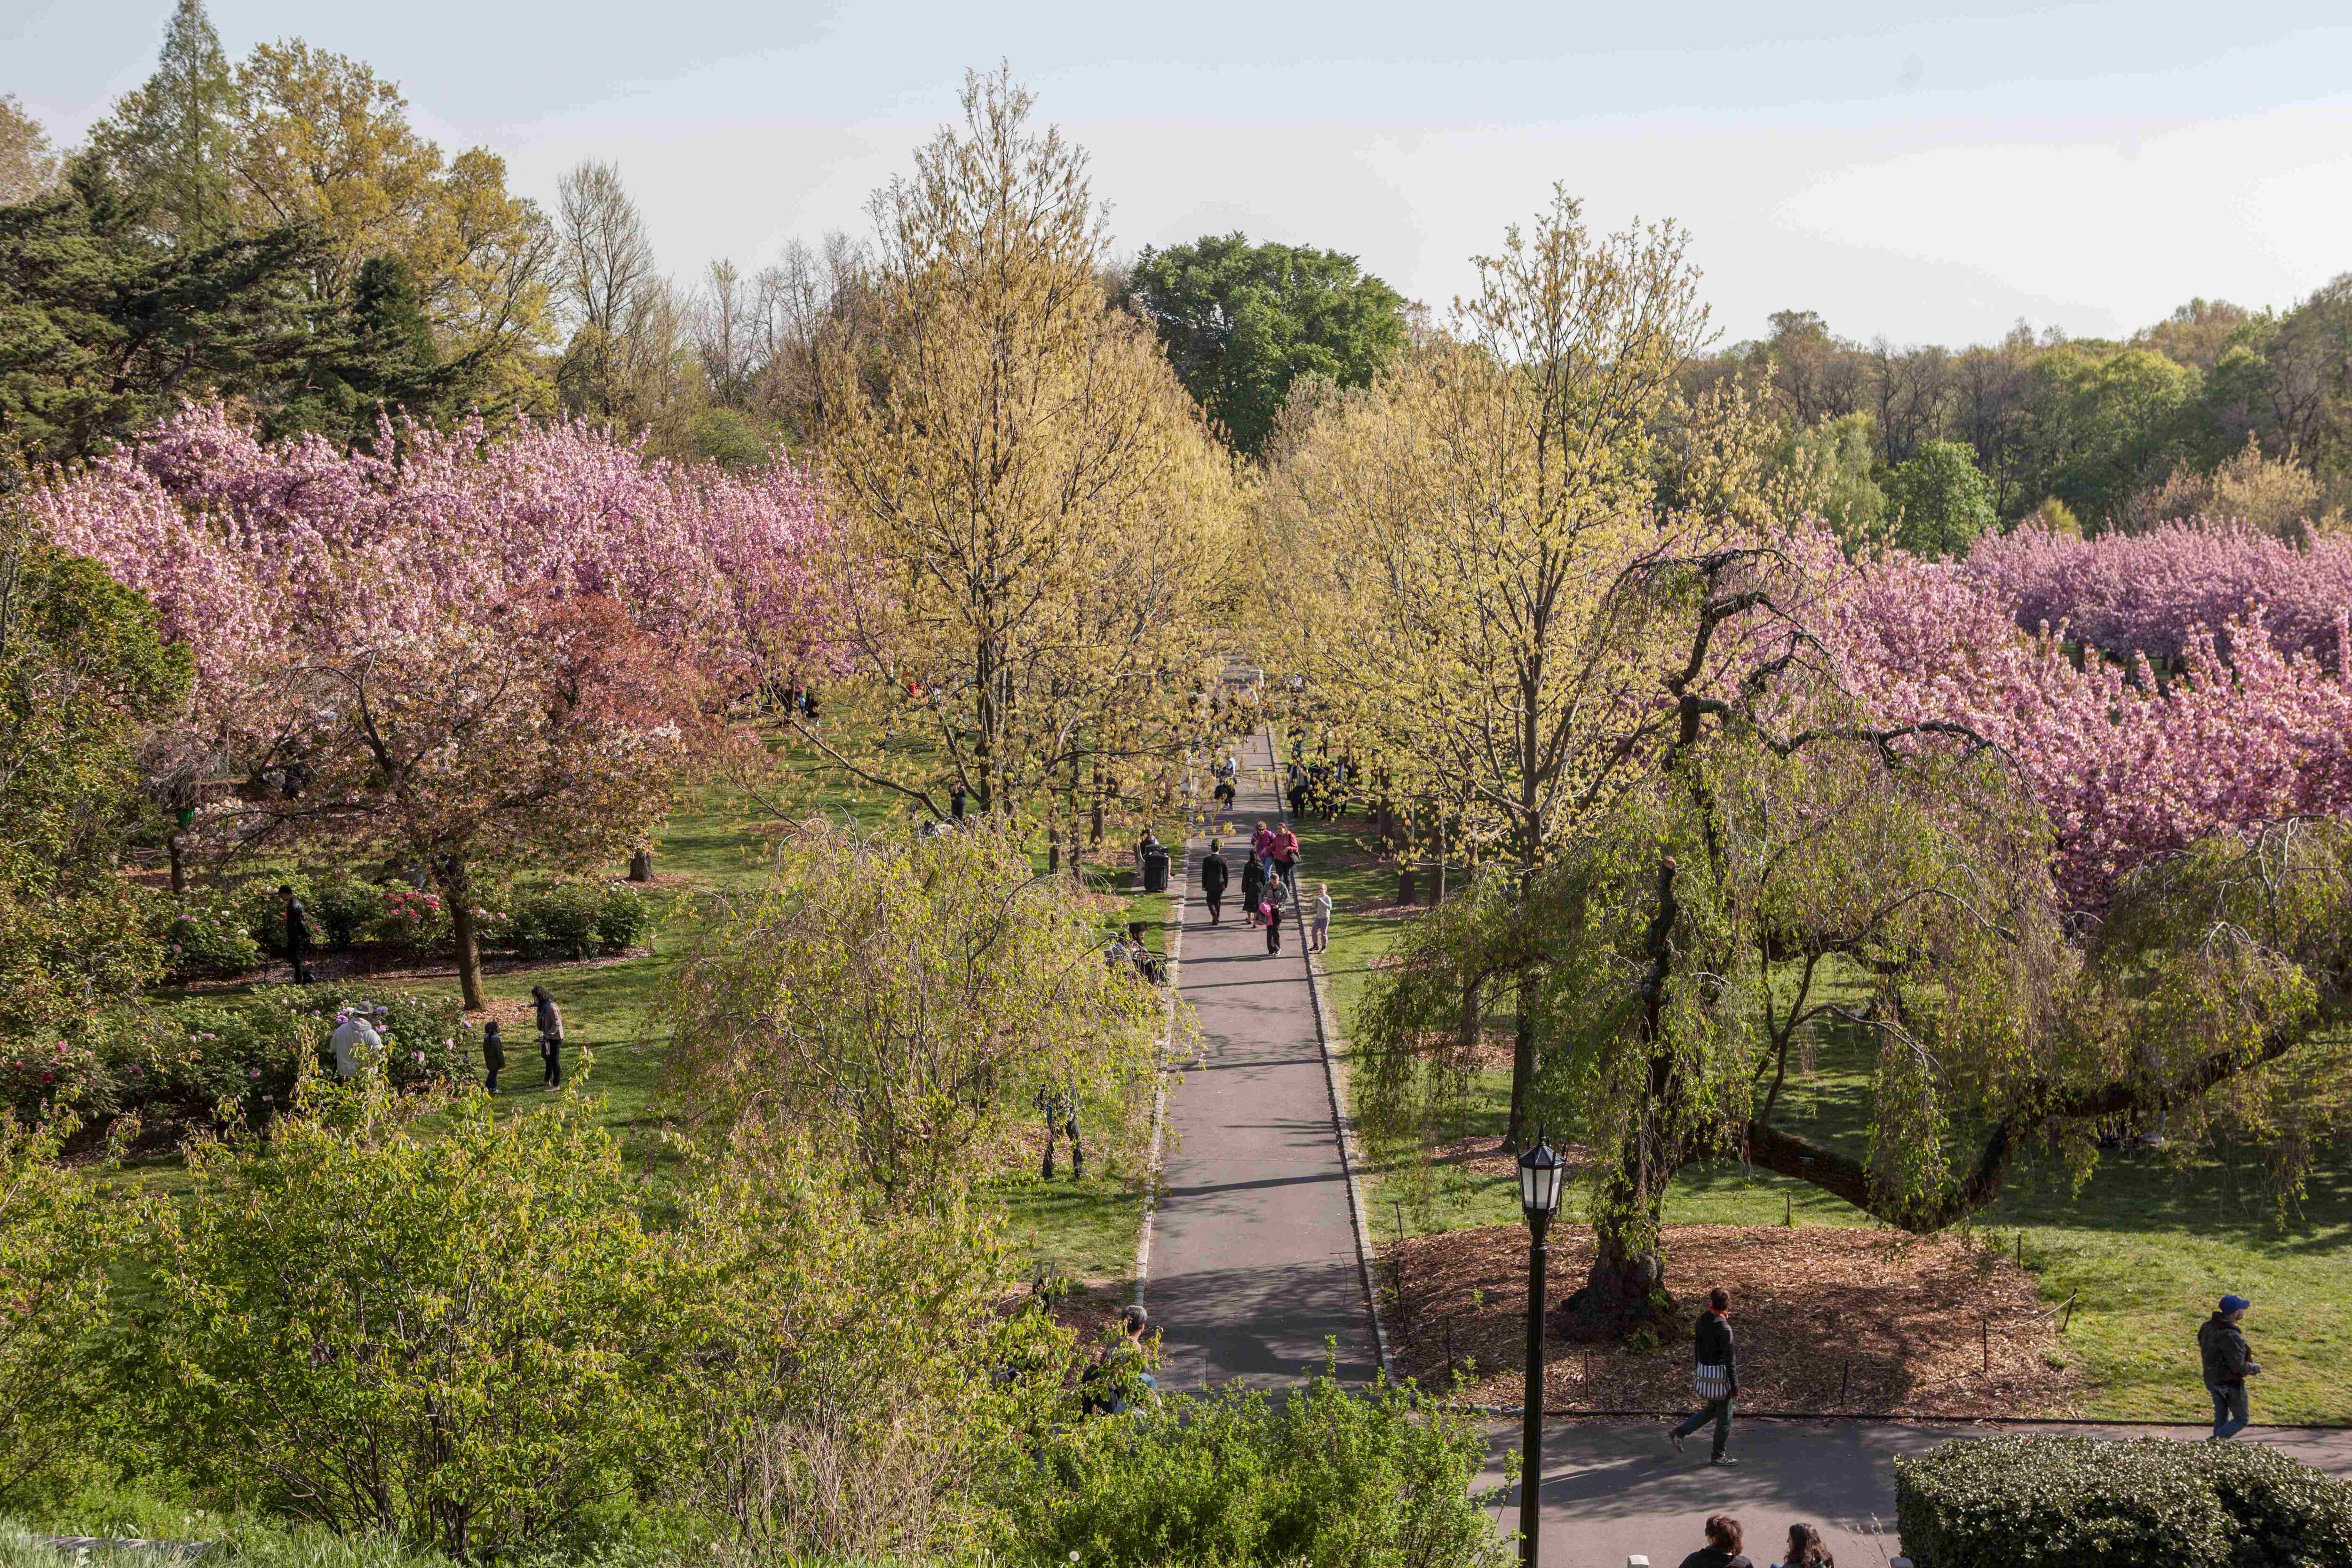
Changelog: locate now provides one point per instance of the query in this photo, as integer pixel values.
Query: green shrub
(48, 1075)
(1322, 1477)
(59, 1233)
(574, 919)
(2028, 1502)
(625, 917)
(345, 905)
(205, 939)
(188, 1059)
(467, 1336)
(261, 908)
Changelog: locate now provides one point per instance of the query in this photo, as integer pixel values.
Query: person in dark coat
(956, 799)
(1214, 875)
(550, 1035)
(1272, 910)
(1718, 1376)
(494, 1054)
(298, 935)
(2227, 1361)
(1722, 1548)
(1253, 887)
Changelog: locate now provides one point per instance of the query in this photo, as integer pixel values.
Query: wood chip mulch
(1830, 1321)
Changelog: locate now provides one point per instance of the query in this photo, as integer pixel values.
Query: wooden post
(1984, 1327)
(1844, 1376)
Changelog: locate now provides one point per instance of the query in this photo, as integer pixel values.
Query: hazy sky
(2089, 167)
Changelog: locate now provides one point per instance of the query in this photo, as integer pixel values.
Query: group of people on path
(1269, 880)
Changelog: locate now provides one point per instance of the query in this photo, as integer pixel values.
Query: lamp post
(1542, 1173)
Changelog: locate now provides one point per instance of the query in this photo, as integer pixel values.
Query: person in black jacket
(1722, 1548)
(494, 1054)
(2227, 1361)
(1214, 875)
(298, 935)
(1717, 1375)
(1253, 887)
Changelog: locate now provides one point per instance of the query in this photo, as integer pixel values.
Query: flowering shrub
(206, 940)
(412, 918)
(44, 1077)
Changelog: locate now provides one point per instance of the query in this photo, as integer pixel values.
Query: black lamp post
(1542, 1174)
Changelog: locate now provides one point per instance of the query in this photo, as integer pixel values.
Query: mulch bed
(1829, 1319)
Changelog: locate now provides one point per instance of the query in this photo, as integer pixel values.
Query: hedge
(2044, 1500)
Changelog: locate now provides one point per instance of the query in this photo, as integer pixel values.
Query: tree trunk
(641, 865)
(454, 887)
(1523, 1066)
(1626, 1286)
(175, 847)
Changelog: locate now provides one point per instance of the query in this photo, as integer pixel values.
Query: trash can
(1155, 870)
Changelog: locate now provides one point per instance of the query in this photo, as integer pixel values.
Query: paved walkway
(1252, 1265)
(1612, 1489)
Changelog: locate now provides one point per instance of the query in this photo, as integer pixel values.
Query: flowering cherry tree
(2127, 594)
(2250, 726)
(462, 653)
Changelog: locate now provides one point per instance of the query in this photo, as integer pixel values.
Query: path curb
(1171, 981)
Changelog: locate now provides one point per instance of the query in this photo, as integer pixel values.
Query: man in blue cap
(2228, 1363)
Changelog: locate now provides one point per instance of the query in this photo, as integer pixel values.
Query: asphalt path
(1252, 1275)
(1615, 1489)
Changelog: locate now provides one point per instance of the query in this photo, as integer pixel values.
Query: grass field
(2144, 1248)
(718, 845)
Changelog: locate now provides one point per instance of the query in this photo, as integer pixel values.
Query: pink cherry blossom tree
(463, 653)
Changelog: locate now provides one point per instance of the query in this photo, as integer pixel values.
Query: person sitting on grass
(1722, 1548)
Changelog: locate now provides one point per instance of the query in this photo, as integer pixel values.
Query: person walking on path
(1284, 853)
(1319, 935)
(2229, 1362)
(1272, 910)
(1722, 1548)
(1805, 1550)
(494, 1054)
(1253, 887)
(1214, 875)
(1716, 1379)
(298, 935)
(550, 1035)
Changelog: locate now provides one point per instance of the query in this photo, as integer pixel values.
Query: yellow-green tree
(1045, 513)
(298, 135)
(1462, 523)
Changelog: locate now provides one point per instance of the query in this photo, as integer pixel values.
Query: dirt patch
(1830, 1321)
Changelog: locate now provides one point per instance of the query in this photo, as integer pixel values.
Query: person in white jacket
(356, 1043)
(1318, 934)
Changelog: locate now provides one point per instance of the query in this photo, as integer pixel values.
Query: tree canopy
(1242, 322)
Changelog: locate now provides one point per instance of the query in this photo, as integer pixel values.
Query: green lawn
(721, 844)
(2145, 1248)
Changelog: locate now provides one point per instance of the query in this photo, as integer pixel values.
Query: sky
(1927, 175)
